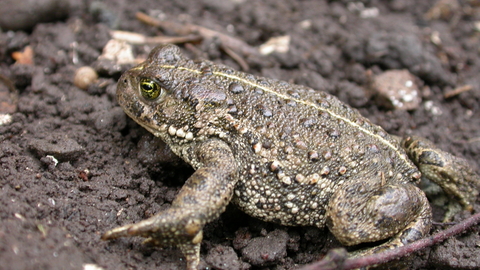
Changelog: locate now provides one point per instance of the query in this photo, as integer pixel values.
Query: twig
(135, 38)
(472, 140)
(236, 57)
(187, 28)
(457, 91)
(398, 252)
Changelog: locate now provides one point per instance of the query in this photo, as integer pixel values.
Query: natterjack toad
(282, 153)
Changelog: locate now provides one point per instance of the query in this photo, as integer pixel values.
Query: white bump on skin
(325, 170)
(180, 133)
(274, 166)
(313, 178)
(257, 148)
(172, 130)
(300, 178)
(189, 136)
(286, 180)
(163, 127)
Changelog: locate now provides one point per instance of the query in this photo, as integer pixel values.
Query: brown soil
(111, 172)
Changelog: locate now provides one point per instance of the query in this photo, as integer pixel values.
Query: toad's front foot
(172, 227)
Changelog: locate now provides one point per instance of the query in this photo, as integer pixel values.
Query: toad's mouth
(154, 129)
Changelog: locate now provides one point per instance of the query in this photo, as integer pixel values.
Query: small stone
(8, 97)
(84, 77)
(279, 44)
(223, 257)
(266, 250)
(396, 89)
(118, 51)
(62, 148)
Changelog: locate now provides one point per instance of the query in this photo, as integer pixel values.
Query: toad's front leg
(203, 198)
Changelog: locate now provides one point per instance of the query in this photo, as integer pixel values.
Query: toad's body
(283, 153)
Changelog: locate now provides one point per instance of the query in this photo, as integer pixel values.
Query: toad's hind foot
(451, 173)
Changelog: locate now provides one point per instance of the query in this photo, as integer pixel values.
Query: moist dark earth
(73, 166)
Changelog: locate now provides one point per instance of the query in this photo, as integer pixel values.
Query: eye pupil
(149, 89)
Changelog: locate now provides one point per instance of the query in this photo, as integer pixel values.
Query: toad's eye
(150, 89)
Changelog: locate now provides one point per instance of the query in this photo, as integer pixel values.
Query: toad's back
(295, 146)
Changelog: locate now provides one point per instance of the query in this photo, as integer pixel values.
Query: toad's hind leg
(361, 212)
(203, 198)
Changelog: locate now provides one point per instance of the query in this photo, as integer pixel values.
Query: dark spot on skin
(228, 71)
(263, 82)
(265, 111)
(206, 70)
(200, 182)
(334, 133)
(410, 235)
(191, 80)
(293, 94)
(382, 134)
(430, 158)
(300, 144)
(200, 93)
(373, 148)
(327, 155)
(276, 220)
(258, 91)
(308, 122)
(325, 116)
(291, 103)
(236, 88)
(232, 109)
(190, 200)
(385, 222)
(273, 167)
(323, 103)
(137, 108)
(267, 144)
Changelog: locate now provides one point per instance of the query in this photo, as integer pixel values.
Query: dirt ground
(73, 166)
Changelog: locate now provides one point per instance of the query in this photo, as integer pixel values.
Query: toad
(282, 153)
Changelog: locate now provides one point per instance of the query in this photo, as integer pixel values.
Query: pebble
(262, 251)
(8, 96)
(59, 147)
(223, 257)
(84, 77)
(396, 89)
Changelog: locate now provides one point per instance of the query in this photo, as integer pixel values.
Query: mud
(73, 165)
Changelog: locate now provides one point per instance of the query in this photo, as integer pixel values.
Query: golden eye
(150, 89)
